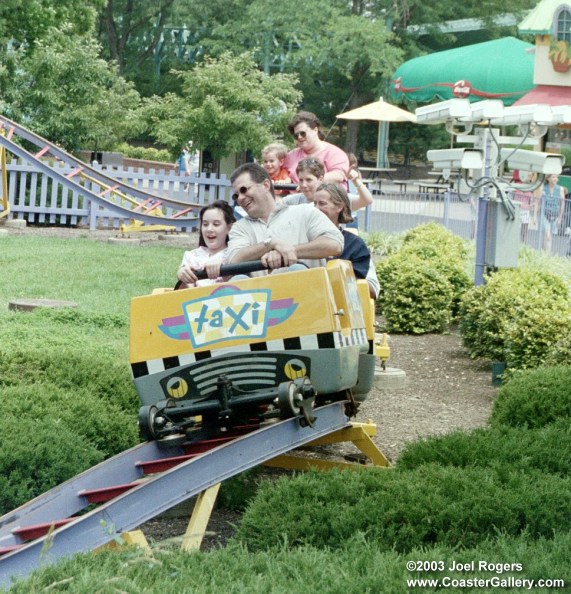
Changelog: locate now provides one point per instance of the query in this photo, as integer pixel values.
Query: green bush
(534, 398)
(237, 492)
(357, 566)
(547, 449)
(435, 242)
(144, 153)
(37, 454)
(539, 334)
(446, 251)
(74, 351)
(383, 244)
(101, 422)
(559, 353)
(422, 284)
(415, 296)
(401, 510)
(487, 311)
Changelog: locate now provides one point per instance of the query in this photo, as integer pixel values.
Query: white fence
(394, 212)
(38, 199)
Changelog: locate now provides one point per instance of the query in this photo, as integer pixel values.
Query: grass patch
(98, 276)
(358, 566)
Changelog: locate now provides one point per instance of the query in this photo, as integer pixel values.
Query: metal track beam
(183, 222)
(168, 489)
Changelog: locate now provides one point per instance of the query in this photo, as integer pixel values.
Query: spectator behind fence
(526, 201)
(278, 234)
(305, 127)
(216, 220)
(332, 200)
(551, 208)
(183, 163)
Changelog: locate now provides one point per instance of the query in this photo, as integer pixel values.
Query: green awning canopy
(498, 69)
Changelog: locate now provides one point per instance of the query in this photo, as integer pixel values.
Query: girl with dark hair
(216, 219)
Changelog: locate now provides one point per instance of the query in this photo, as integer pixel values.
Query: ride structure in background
(128, 202)
(230, 376)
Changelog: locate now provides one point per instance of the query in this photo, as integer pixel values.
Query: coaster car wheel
(297, 398)
(146, 421)
(288, 402)
(154, 426)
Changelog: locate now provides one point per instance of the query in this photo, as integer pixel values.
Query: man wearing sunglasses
(277, 234)
(305, 127)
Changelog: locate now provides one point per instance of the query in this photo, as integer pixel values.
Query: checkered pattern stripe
(325, 340)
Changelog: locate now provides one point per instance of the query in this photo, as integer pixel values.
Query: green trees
(226, 105)
(70, 95)
(339, 54)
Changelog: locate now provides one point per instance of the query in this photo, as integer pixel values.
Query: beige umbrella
(380, 111)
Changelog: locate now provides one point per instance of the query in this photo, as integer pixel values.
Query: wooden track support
(4, 185)
(358, 433)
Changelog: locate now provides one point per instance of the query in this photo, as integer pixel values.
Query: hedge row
(456, 490)
(357, 565)
(401, 510)
(530, 428)
(547, 449)
(65, 385)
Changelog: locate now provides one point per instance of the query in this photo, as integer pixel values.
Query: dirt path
(444, 390)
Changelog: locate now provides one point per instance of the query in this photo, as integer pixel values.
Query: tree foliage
(26, 21)
(65, 92)
(227, 105)
(341, 53)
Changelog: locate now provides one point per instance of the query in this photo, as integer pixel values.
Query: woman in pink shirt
(305, 128)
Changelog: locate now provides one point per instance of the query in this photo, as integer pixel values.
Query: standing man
(277, 234)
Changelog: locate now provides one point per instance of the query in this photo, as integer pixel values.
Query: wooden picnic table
(440, 176)
(401, 183)
(426, 186)
(374, 184)
(374, 172)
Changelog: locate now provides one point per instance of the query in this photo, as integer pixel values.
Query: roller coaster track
(137, 485)
(117, 196)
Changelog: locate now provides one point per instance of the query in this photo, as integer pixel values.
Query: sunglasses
(301, 134)
(241, 190)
